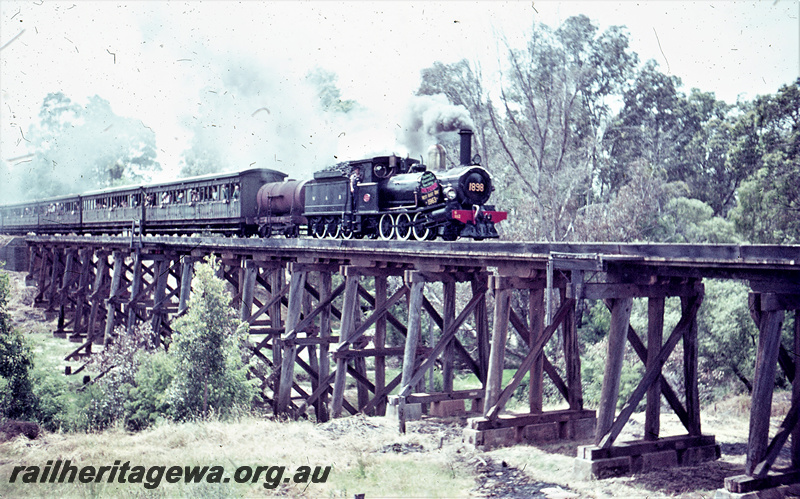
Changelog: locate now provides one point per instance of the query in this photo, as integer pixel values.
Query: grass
(355, 448)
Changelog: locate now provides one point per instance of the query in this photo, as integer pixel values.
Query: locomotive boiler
(386, 197)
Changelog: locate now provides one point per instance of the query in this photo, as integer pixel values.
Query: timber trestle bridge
(319, 309)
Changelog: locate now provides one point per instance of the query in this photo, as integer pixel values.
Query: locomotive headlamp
(450, 193)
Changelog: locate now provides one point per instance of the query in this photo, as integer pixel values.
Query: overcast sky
(159, 62)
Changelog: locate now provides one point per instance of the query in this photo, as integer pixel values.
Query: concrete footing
(413, 412)
(774, 493)
(508, 430)
(773, 485)
(15, 253)
(644, 455)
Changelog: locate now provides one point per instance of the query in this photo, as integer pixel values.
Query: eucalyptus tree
(551, 116)
(643, 130)
(768, 209)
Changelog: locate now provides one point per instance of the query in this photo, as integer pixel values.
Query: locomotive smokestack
(466, 146)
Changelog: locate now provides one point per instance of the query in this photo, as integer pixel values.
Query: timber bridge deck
(302, 324)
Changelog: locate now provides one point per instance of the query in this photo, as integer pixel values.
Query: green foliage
(54, 398)
(17, 398)
(147, 399)
(687, 220)
(104, 401)
(207, 347)
(203, 372)
(768, 140)
(727, 336)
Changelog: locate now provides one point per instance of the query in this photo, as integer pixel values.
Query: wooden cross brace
(652, 373)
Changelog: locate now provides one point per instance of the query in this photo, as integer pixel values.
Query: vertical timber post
(101, 273)
(296, 288)
(55, 278)
(380, 342)
(417, 283)
(136, 287)
(111, 301)
(690, 359)
(348, 311)
(187, 269)
(248, 289)
(620, 319)
(160, 297)
(769, 337)
(85, 257)
(572, 354)
(536, 381)
(325, 291)
(448, 317)
(482, 330)
(63, 294)
(655, 338)
(494, 379)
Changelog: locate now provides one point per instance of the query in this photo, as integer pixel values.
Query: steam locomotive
(386, 197)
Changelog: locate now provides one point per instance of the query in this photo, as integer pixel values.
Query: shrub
(208, 344)
(17, 399)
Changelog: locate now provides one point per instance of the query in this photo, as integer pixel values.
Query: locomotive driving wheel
(421, 231)
(386, 226)
(403, 226)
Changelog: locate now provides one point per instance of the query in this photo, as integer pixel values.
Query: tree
(689, 220)
(552, 117)
(768, 209)
(17, 399)
(330, 97)
(207, 345)
(85, 147)
(727, 335)
(643, 130)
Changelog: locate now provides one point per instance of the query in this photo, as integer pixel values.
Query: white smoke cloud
(427, 118)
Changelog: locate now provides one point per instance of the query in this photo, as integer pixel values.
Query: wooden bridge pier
(769, 303)
(604, 458)
(542, 286)
(410, 400)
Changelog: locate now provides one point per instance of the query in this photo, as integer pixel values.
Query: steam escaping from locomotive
(428, 119)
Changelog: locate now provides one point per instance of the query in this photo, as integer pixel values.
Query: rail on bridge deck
(102, 286)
